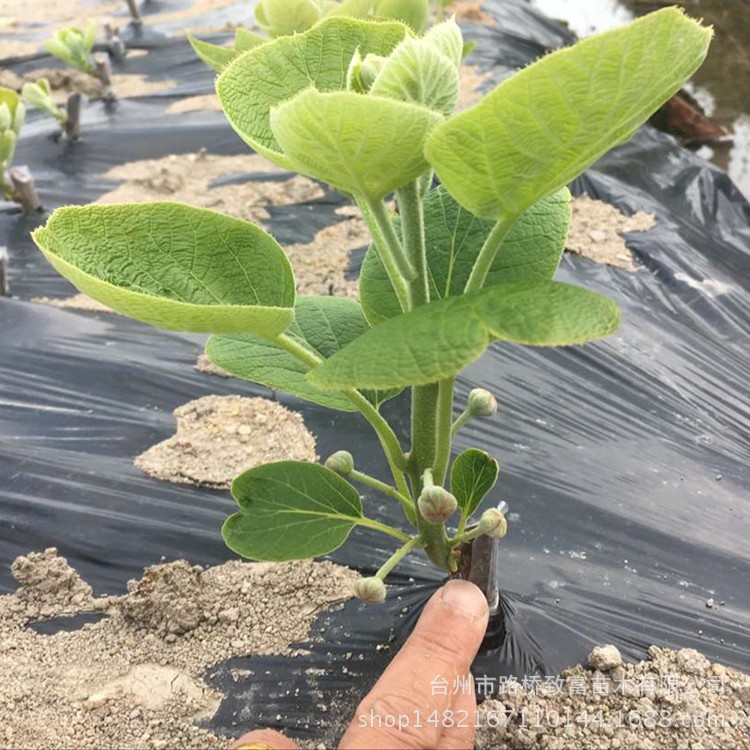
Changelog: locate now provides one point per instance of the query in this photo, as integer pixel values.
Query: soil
(690, 702)
(597, 228)
(65, 81)
(471, 80)
(470, 10)
(190, 178)
(76, 302)
(204, 364)
(219, 437)
(198, 103)
(134, 679)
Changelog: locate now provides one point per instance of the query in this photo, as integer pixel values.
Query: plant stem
(487, 255)
(396, 558)
(443, 430)
(411, 210)
(371, 523)
(386, 489)
(389, 248)
(461, 420)
(388, 439)
(462, 536)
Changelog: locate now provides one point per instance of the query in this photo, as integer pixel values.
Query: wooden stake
(3, 270)
(135, 12)
(73, 123)
(116, 46)
(104, 74)
(25, 192)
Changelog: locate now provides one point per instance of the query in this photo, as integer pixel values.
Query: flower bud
(370, 590)
(436, 504)
(341, 462)
(493, 524)
(482, 403)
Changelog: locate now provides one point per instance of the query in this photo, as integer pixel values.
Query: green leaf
(285, 17)
(473, 475)
(173, 266)
(415, 13)
(217, 58)
(545, 125)
(531, 251)
(322, 324)
(291, 511)
(275, 72)
(418, 72)
(364, 145)
(437, 340)
(245, 39)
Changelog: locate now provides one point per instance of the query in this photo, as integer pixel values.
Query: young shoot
(75, 47)
(367, 107)
(39, 96)
(12, 118)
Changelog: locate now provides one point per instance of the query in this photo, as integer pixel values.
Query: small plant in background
(367, 107)
(12, 118)
(39, 96)
(74, 47)
(284, 17)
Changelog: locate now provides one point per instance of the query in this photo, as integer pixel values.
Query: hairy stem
(412, 225)
(406, 502)
(487, 255)
(389, 441)
(389, 248)
(396, 558)
(443, 430)
(461, 420)
(371, 523)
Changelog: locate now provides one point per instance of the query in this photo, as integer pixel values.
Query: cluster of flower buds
(341, 462)
(482, 403)
(493, 524)
(436, 504)
(370, 590)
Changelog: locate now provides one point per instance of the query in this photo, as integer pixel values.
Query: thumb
(441, 648)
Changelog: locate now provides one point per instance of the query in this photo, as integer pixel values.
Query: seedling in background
(284, 17)
(12, 118)
(39, 96)
(367, 107)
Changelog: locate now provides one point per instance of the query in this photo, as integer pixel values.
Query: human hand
(444, 643)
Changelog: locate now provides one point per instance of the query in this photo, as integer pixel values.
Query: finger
(442, 647)
(263, 739)
(461, 735)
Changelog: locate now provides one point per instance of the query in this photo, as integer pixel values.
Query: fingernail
(466, 598)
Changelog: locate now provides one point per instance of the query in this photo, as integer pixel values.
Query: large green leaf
(323, 324)
(216, 57)
(473, 475)
(437, 340)
(291, 511)
(545, 125)
(272, 73)
(531, 251)
(173, 266)
(361, 144)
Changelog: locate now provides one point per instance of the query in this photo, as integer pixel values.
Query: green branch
(370, 523)
(406, 501)
(411, 210)
(487, 255)
(396, 558)
(443, 430)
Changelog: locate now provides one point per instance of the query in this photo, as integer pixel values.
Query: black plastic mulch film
(626, 463)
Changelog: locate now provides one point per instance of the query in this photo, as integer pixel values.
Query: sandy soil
(597, 228)
(134, 679)
(219, 437)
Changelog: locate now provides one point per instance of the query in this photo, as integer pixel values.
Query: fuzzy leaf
(244, 39)
(545, 125)
(418, 72)
(285, 17)
(173, 266)
(291, 511)
(323, 324)
(275, 72)
(216, 57)
(362, 145)
(473, 475)
(415, 13)
(437, 340)
(531, 251)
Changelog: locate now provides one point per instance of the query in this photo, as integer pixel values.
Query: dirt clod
(596, 231)
(605, 658)
(219, 437)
